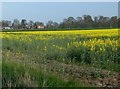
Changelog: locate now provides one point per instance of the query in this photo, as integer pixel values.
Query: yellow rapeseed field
(89, 48)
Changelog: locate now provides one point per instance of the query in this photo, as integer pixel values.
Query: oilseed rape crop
(60, 58)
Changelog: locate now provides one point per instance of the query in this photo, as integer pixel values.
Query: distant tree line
(23, 24)
(86, 21)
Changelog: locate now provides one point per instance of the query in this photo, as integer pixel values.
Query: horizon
(56, 11)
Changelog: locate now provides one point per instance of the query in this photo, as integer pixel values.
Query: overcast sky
(56, 11)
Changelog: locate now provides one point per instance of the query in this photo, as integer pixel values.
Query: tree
(70, 22)
(79, 22)
(79, 19)
(103, 22)
(118, 22)
(16, 24)
(24, 24)
(88, 21)
(6, 23)
(55, 25)
(95, 19)
(63, 24)
(114, 22)
(30, 24)
(50, 24)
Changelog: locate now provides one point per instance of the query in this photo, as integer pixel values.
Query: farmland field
(78, 58)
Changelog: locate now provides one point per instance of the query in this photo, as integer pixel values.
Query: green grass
(17, 75)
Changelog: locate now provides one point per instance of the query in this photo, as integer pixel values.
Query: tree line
(86, 21)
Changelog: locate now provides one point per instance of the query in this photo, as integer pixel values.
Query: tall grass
(17, 75)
